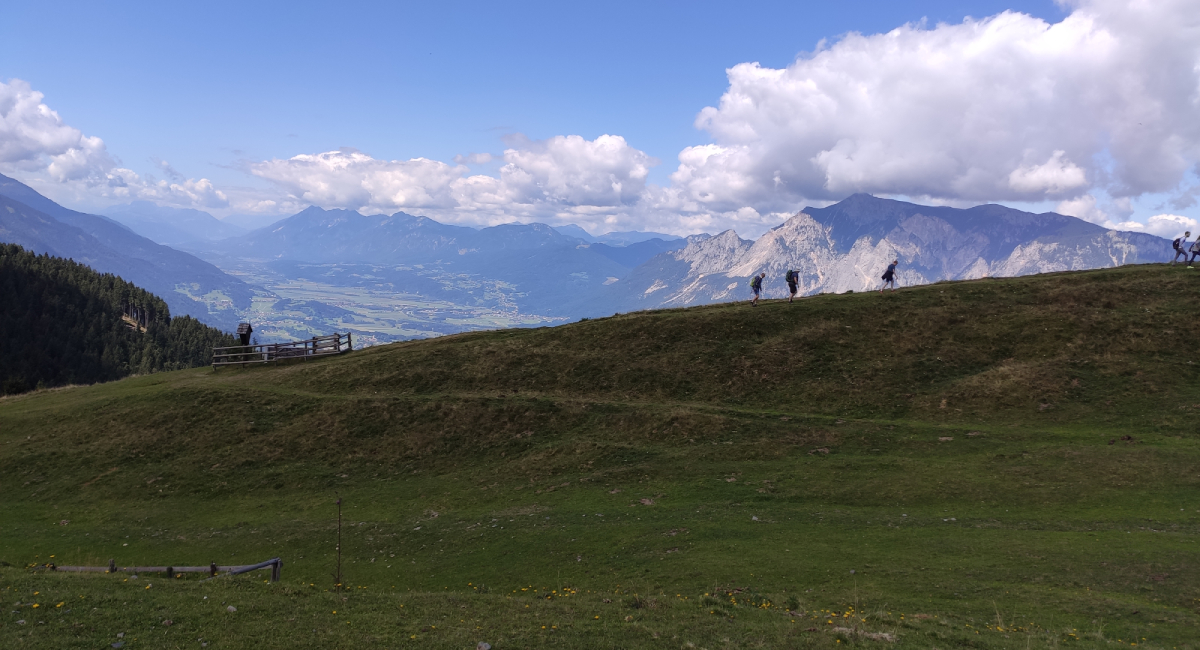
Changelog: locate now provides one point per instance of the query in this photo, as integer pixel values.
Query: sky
(671, 116)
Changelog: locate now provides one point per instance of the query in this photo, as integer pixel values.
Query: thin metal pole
(338, 576)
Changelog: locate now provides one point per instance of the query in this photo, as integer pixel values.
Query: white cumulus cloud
(34, 136)
(1055, 176)
(35, 140)
(560, 179)
(1004, 108)
(1087, 208)
(1164, 225)
(571, 171)
(351, 179)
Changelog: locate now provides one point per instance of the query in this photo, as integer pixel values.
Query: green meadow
(1002, 463)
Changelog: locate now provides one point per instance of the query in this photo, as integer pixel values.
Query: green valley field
(1002, 463)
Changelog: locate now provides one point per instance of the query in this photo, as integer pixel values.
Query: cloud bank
(34, 139)
(1006, 108)
(564, 177)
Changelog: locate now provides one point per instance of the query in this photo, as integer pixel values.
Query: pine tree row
(62, 322)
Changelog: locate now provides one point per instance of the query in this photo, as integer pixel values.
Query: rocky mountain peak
(847, 245)
(712, 254)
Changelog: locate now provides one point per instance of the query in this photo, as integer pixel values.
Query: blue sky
(218, 91)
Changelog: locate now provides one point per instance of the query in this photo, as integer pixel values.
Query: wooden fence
(275, 564)
(274, 352)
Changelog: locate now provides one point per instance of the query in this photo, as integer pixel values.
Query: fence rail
(274, 352)
(275, 564)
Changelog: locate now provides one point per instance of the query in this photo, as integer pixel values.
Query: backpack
(790, 277)
(755, 282)
(1176, 243)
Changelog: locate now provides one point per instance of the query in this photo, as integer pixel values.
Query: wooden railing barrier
(274, 352)
(275, 564)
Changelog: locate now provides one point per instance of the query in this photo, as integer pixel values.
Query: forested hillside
(43, 226)
(64, 323)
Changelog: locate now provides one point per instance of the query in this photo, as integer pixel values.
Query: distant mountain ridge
(558, 273)
(546, 271)
(43, 226)
(317, 235)
(614, 238)
(846, 246)
(175, 227)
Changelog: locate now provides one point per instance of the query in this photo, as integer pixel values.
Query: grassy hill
(994, 464)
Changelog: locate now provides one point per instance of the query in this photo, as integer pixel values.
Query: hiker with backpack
(1181, 247)
(889, 276)
(1195, 252)
(793, 280)
(756, 287)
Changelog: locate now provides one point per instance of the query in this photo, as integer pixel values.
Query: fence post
(112, 566)
(212, 569)
(170, 572)
(276, 570)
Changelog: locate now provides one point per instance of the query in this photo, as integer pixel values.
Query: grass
(989, 464)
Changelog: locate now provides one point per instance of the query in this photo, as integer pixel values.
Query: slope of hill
(993, 463)
(846, 246)
(1106, 347)
(183, 280)
(64, 323)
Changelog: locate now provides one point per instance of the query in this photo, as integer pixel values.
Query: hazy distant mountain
(633, 255)
(848, 245)
(40, 233)
(317, 235)
(629, 237)
(572, 230)
(624, 238)
(250, 222)
(172, 226)
(41, 225)
(544, 269)
(18, 191)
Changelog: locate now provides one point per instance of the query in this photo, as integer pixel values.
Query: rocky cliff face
(847, 246)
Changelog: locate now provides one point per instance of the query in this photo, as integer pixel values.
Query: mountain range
(175, 227)
(329, 268)
(848, 245)
(615, 238)
(539, 270)
(43, 226)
